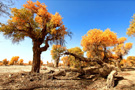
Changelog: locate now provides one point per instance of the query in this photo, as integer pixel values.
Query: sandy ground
(14, 69)
(38, 82)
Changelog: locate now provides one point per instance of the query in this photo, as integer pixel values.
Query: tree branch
(81, 58)
(46, 45)
(27, 32)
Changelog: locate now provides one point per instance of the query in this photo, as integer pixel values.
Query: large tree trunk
(36, 57)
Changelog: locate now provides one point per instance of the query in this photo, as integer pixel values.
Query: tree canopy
(96, 41)
(56, 52)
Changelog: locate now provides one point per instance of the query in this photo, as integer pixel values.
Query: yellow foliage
(115, 56)
(92, 37)
(95, 43)
(20, 62)
(120, 48)
(4, 61)
(123, 61)
(13, 60)
(122, 40)
(108, 38)
(128, 46)
(56, 19)
(74, 62)
(66, 60)
(89, 55)
(30, 63)
(99, 38)
(56, 51)
(131, 59)
(1, 64)
(131, 29)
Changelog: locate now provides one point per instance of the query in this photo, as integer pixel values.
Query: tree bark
(36, 57)
(110, 79)
(56, 62)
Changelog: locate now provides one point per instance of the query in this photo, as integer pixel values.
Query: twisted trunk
(36, 57)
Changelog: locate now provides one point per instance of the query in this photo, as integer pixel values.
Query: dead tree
(110, 79)
(104, 69)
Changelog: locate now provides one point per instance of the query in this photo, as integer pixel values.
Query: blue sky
(79, 16)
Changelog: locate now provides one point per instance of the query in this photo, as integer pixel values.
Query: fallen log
(110, 79)
(102, 71)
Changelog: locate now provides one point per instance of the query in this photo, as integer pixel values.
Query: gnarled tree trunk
(36, 57)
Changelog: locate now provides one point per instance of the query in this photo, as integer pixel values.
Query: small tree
(4, 61)
(34, 21)
(30, 63)
(121, 50)
(13, 60)
(96, 42)
(20, 62)
(56, 53)
(73, 61)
